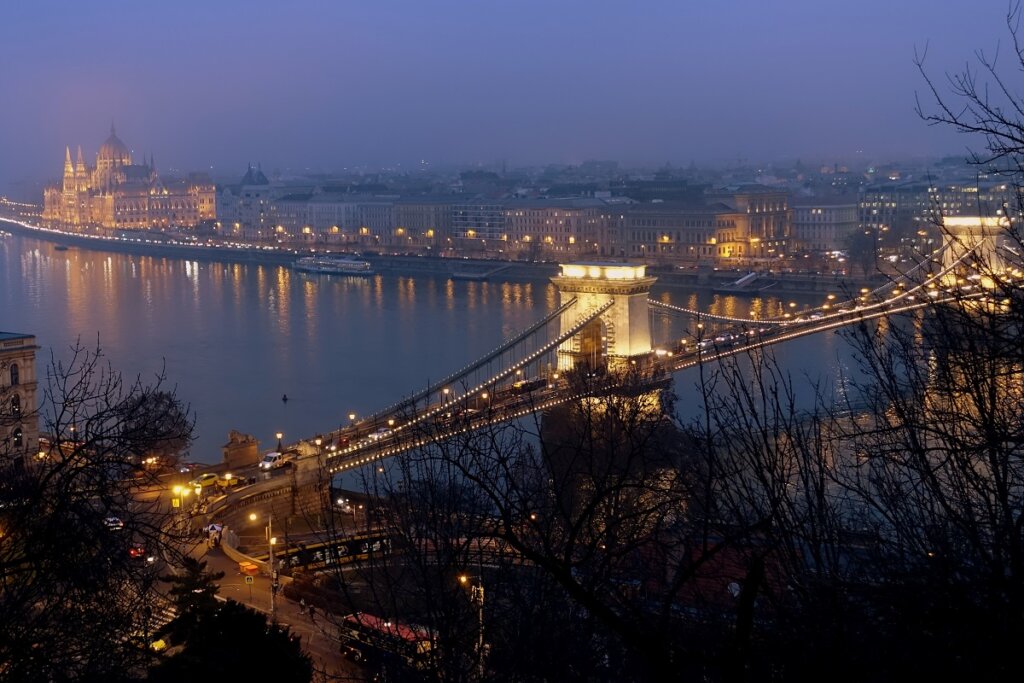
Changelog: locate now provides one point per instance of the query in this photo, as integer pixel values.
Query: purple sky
(338, 83)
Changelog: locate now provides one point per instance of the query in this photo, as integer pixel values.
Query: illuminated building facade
(684, 233)
(19, 420)
(573, 226)
(824, 223)
(118, 193)
(768, 218)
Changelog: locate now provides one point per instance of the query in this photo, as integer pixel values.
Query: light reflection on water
(236, 337)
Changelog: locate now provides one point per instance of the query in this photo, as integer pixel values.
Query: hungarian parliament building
(121, 194)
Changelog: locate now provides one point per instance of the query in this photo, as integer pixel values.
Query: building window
(17, 437)
(15, 375)
(15, 405)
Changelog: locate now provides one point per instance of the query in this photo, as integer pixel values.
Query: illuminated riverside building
(19, 420)
(824, 223)
(575, 226)
(677, 232)
(768, 223)
(910, 214)
(118, 193)
(739, 223)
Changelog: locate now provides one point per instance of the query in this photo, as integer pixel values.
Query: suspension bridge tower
(621, 334)
(971, 240)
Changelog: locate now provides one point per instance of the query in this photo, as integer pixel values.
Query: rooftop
(8, 336)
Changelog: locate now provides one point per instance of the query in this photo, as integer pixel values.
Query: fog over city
(333, 85)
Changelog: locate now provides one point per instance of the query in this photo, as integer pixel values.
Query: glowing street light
(271, 542)
(279, 435)
(476, 596)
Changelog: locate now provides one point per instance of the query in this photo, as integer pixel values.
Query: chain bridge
(602, 331)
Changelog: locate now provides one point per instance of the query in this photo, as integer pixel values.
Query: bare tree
(76, 581)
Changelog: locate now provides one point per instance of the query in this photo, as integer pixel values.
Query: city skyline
(323, 87)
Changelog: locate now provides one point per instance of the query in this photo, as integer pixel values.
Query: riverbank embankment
(769, 283)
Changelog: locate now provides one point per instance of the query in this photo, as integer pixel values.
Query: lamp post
(319, 452)
(273, 568)
(476, 596)
(279, 436)
(180, 494)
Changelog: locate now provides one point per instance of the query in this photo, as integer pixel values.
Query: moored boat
(333, 265)
(469, 275)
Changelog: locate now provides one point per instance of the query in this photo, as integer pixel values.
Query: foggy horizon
(321, 87)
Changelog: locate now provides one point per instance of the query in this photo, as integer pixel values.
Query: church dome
(113, 149)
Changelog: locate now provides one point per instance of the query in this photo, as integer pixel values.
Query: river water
(235, 338)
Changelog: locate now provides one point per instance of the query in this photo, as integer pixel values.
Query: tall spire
(112, 127)
(68, 167)
(80, 162)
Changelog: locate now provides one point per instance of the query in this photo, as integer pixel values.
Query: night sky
(336, 84)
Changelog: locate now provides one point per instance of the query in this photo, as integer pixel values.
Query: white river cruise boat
(333, 265)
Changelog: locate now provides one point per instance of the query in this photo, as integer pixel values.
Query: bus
(369, 638)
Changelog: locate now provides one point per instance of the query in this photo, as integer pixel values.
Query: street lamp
(180, 494)
(318, 440)
(476, 596)
(279, 435)
(273, 569)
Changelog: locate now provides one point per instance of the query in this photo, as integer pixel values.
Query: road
(318, 639)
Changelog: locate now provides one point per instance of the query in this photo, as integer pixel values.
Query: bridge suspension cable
(823, 325)
(475, 365)
(412, 421)
(710, 316)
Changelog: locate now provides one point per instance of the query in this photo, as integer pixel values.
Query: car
(380, 434)
(138, 552)
(188, 467)
(204, 480)
(113, 523)
(273, 460)
(227, 481)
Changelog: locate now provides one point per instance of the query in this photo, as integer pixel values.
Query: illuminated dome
(114, 151)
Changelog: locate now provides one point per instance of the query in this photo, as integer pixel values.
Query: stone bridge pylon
(619, 335)
(971, 240)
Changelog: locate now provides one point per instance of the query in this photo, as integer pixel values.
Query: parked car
(227, 481)
(113, 523)
(203, 480)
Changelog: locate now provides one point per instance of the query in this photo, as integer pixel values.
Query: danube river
(236, 338)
